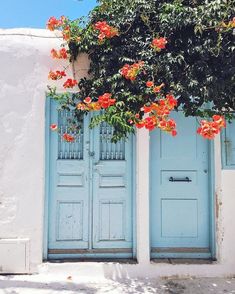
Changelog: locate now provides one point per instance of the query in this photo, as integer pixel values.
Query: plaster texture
(25, 63)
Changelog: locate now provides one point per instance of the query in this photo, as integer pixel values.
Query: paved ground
(38, 284)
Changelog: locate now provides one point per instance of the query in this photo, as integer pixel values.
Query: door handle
(186, 179)
(98, 165)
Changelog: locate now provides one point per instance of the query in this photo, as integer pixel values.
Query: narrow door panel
(112, 190)
(69, 189)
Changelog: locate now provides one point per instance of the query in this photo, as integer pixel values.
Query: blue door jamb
(212, 198)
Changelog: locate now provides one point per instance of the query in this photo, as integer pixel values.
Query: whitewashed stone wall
(25, 62)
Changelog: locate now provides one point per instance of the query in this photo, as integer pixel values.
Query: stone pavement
(44, 284)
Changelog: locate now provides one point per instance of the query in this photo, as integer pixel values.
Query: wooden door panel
(112, 191)
(90, 193)
(179, 190)
(69, 187)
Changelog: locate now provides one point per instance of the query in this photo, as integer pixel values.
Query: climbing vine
(148, 58)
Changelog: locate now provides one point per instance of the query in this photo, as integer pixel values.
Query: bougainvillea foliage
(148, 58)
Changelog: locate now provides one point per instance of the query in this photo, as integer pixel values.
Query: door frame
(212, 200)
(47, 188)
(212, 203)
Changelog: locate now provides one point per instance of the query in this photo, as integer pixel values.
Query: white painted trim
(142, 195)
(91, 271)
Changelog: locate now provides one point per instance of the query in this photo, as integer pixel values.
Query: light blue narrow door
(179, 192)
(112, 187)
(68, 187)
(90, 192)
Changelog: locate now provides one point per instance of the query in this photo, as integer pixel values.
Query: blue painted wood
(212, 201)
(228, 146)
(68, 187)
(179, 181)
(90, 193)
(112, 178)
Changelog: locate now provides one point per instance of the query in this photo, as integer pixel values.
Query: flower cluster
(93, 106)
(159, 43)
(162, 107)
(209, 129)
(152, 122)
(158, 115)
(105, 30)
(68, 138)
(130, 71)
(104, 101)
(53, 23)
(59, 54)
(168, 126)
(54, 127)
(156, 89)
(66, 33)
(57, 75)
(70, 83)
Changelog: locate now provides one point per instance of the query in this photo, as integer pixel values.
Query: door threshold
(90, 251)
(90, 254)
(175, 261)
(181, 253)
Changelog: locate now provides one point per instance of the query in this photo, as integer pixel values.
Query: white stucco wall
(25, 62)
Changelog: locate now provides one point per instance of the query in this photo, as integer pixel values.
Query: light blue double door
(90, 193)
(181, 224)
